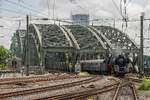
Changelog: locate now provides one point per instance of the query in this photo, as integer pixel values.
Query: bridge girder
(35, 34)
(78, 39)
(116, 37)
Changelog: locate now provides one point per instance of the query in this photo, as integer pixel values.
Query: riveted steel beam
(118, 38)
(38, 34)
(98, 38)
(67, 37)
(72, 37)
(103, 36)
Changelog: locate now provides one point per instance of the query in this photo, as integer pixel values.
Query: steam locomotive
(117, 63)
(121, 63)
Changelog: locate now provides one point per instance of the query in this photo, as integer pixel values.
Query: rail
(47, 88)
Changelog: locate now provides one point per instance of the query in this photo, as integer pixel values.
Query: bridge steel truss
(61, 47)
(20, 35)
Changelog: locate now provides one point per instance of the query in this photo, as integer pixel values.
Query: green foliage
(145, 85)
(4, 55)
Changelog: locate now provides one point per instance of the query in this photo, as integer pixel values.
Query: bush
(145, 85)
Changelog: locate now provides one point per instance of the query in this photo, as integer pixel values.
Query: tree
(4, 55)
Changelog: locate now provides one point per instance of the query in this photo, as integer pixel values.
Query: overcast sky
(13, 10)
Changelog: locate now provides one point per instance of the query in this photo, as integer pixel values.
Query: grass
(84, 74)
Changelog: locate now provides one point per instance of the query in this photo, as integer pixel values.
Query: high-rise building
(80, 19)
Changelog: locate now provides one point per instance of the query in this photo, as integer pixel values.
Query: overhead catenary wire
(48, 6)
(16, 12)
(23, 6)
(31, 6)
(30, 9)
(116, 6)
(54, 10)
(8, 29)
(63, 19)
(106, 19)
(67, 20)
(38, 11)
(13, 18)
(12, 11)
(123, 11)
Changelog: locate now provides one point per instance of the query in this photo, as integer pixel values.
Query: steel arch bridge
(56, 47)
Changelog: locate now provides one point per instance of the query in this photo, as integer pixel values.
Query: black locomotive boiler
(121, 65)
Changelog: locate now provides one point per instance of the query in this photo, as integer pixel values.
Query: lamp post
(141, 43)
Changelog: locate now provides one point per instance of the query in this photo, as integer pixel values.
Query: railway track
(50, 74)
(48, 88)
(126, 84)
(9, 81)
(134, 79)
(58, 73)
(75, 95)
(22, 78)
(81, 94)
